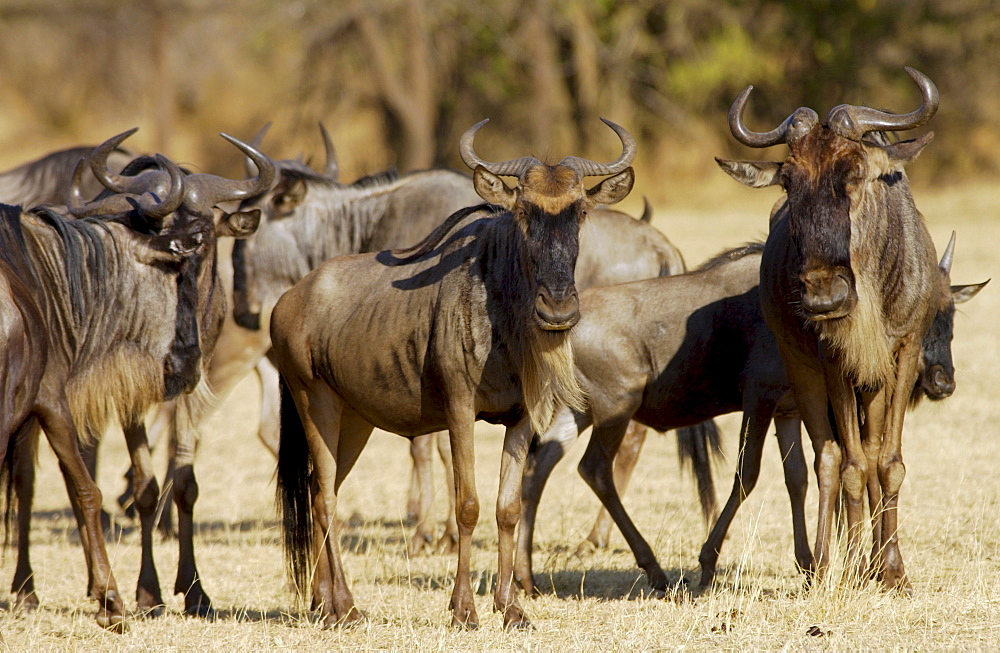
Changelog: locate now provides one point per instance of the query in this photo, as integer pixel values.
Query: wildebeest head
(549, 203)
(937, 381)
(176, 220)
(834, 172)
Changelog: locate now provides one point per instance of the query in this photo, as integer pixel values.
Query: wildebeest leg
(336, 436)
(146, 496)
(25, 445)
(854, 464)
(515, 450)
(597, 469)
(810, 397)
(354, 434)
(422, 479)
(86, 497)
(793, 461)
(88, 450)
(449, 539)
(628, 455)
(753, 432)
(188, 582)
(322, 579)
(270, 405)
(563, 431)
(891, 470)
(871, 432)
(460, 432)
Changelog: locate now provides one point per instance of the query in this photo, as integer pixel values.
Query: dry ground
(950, 533)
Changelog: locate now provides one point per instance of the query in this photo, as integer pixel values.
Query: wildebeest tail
(294, 496)
(695, 445)
(18, 465)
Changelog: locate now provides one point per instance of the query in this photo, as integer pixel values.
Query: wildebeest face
(549, 205)
(823, 177)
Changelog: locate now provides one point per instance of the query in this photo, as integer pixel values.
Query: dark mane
(435, 237)
(376, 179)
(730, 255)
(85, 254)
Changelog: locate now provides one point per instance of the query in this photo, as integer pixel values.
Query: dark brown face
(553, 244)
(549, 211)
(822, 174)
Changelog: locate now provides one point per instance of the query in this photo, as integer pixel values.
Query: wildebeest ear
(613, 189)
(288, 195)
(169, 249)
(906, 151)
(492, 189)
(755, 174)
(960, 294)
(239, 224)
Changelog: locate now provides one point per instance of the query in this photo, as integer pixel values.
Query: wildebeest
(123, 335)
(308, 217)
(676, 351)
(848, 285)
(936, 382)
(46, 180)
(470, 324)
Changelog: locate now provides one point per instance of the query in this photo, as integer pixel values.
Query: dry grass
(950, 534)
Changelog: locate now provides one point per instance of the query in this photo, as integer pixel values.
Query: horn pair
(517, 167)
(200, 191)
(851, 122)
(332, 168)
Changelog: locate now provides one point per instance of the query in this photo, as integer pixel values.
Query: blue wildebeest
(104, 353)
(470, 324)
(685, 349)
(308, 217)
(849, 287)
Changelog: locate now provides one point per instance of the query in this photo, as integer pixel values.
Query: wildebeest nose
(557, 310)
(944, 382)
(824, 292)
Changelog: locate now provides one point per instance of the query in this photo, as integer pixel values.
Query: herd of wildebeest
(531, 305)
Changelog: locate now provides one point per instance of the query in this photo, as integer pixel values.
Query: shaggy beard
(548, 377)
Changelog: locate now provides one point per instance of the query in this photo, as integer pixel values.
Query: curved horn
(238, 190)
(792, 128)
(248, 164)
(156, 208)
(949, 253)
(332, 168)
(511, 168)
(853, 122)
(99, 166)
(589, 168)
(80, 208)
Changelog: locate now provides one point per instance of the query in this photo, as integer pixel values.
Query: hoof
(586, 549)
(447, 545)
(149, 611)
(351, 619)
(419, 543)
(112, 622)
(26, 602)
(464, 619)
(519, 623)
(202, 610)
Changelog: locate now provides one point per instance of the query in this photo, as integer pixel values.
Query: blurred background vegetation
(397, 81)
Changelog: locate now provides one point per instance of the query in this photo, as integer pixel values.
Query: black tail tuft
(294, 495)
(695, 445)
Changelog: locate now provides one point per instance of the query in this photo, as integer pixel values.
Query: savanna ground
(950, 534)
